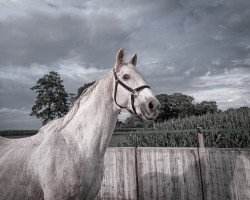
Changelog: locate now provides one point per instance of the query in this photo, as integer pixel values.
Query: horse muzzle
(150, 109)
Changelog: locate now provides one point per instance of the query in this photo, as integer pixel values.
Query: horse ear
(120, 57)
(133, 60)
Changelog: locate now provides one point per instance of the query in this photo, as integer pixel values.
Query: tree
(82, 89)
(175, 105)
(135, 122)
(51, 100)
(205, 107)
(71, 99)
(119, 124)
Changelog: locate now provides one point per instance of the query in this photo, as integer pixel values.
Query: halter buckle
(135, 93)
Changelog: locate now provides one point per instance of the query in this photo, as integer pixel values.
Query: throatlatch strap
(132, 103)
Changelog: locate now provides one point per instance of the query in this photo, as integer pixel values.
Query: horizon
(124, 114)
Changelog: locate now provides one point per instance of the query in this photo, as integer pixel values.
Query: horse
(64, 160)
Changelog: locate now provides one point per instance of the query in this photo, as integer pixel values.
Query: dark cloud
(16, 95)
(182, 46)
(42, 38)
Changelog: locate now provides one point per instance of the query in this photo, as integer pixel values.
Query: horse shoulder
(56, 167)
(16, 179)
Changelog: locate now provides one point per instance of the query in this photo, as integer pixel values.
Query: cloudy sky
(200, 48)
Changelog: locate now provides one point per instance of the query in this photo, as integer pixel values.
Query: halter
(134, 92)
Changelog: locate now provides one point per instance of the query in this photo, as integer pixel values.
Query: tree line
(53, 102)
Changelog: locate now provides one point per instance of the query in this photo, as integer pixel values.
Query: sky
(199, 48)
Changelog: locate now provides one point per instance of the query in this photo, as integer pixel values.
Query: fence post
(200, 137)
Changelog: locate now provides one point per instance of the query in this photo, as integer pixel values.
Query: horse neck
(93, 124)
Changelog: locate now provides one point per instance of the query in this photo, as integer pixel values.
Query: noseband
(134, 92)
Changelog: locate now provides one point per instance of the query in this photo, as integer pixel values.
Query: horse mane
(85, 94)
(88, 90)
(60, 123)
(81, 99)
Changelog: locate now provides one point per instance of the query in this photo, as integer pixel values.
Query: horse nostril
(151, 106)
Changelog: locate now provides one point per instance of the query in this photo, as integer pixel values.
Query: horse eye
(125, 77)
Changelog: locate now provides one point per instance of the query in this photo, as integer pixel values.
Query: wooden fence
(176, 173)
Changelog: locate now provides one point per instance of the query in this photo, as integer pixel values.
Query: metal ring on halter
(134, 92)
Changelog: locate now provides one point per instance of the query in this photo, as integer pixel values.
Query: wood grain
(225, 173)
(119, 180)
(169, 173)
(176, 173)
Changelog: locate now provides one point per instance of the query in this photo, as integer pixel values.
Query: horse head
(131, 91)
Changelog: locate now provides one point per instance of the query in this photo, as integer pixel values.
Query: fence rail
(176, 173)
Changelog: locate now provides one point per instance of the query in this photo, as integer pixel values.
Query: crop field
(220, 130)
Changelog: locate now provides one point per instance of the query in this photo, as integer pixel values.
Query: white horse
(64, 160)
